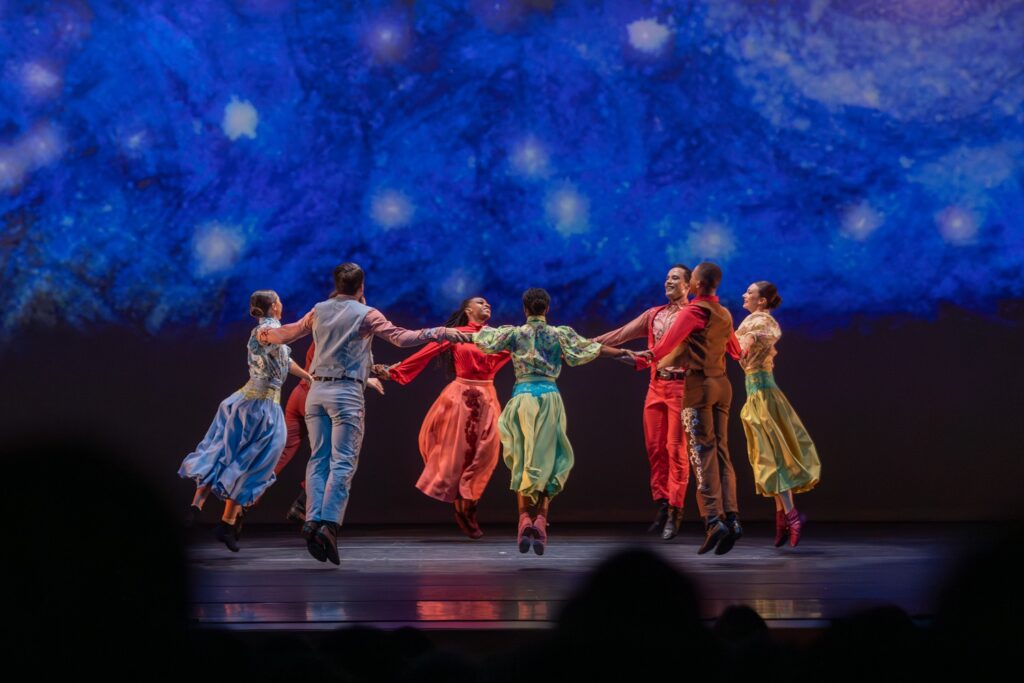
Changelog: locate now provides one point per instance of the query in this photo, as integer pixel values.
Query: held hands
(376, 385)
(456, 337)
(627, 357)
(382, 373)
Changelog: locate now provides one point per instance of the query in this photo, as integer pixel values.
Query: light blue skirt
(237, 456)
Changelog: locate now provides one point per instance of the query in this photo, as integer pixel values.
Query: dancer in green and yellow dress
(532, 424)
(781, 452)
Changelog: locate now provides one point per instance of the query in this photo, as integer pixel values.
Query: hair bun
(775, 301)
(257, 313)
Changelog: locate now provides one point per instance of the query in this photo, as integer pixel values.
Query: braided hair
(459, 318)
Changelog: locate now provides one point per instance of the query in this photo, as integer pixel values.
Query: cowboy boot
(660, 518)
(795, 521)
(673, 523)
(781, 530)
(714, 531)
(469, 509)
(540, 534)
(460, 517)
(225, 533)
(735, 534)
(524, 538)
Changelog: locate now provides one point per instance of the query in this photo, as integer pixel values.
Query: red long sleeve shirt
(470, 361)
(689, 319)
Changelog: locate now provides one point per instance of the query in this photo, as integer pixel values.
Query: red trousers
(665, 440)
(295, 420)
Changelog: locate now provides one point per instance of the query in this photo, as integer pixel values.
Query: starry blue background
(160, 160)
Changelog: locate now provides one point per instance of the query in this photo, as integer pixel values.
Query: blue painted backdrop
(160, 159)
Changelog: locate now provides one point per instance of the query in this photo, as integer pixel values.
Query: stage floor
(432, 578)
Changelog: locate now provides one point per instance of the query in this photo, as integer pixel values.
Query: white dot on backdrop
(957, 225)
(568, 210)
(711, 240)
(240, 119)
(391, 209)
(860, 220)
(529, 158)
(217, 247)
(40, 80)
(647, 35)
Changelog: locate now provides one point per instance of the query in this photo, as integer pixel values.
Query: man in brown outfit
(698, 340)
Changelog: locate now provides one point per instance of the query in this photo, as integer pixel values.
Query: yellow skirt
(535, 447)
(781, 452)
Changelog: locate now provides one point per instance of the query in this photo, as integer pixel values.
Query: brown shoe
(469, 510)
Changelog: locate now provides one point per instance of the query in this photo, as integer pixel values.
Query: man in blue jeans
(343, 329)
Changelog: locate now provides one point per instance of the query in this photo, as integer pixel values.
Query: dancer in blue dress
(236, 459)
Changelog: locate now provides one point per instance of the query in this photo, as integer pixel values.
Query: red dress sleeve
(406, 371)
(498, 360)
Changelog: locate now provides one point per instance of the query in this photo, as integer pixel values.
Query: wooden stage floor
(431, 578)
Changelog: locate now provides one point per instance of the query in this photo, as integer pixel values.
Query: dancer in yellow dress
(781, 452)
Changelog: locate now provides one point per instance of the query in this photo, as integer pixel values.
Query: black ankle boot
(327, 537)
(714, 532)
(237, 526)
(673, 524)
(735, 533)
(224, 533)
(313, 544)
(297, 512)
(660, 518)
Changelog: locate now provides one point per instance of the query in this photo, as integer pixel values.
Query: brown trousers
(705, 417)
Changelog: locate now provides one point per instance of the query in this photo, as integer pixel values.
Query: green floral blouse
(537, 349)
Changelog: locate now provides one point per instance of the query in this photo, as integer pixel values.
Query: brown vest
(704, 350)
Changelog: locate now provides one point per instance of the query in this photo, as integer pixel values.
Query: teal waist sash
(534, 386)
(763, 379)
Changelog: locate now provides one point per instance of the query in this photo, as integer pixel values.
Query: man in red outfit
(295, 420)
(699, 340)
(663, 427)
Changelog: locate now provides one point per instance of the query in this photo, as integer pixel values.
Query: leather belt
(318, 378)
(671, 374)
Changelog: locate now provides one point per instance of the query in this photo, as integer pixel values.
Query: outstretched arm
(634, 329)
(408, 369)
(376, 324)
(286, 334)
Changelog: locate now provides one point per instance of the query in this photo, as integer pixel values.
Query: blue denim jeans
(335, 414)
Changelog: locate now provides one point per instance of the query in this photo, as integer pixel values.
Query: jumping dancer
(342, 329)
(532, 425)
(459, 439)
(698, 340)
(663, 426)
(781, 452)
(235, 461)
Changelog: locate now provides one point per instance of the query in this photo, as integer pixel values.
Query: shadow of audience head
(97, 580)
(631, 607)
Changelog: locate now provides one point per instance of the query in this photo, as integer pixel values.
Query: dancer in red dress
(459, 439)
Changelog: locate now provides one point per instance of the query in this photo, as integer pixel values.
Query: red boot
(469, 511)
(795, 520)
(781, 529)
(540, 534)
(460, 517)
(525, 537)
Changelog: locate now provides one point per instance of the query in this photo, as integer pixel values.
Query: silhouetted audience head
(634, 604)
(980, 617)
(98, 580)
